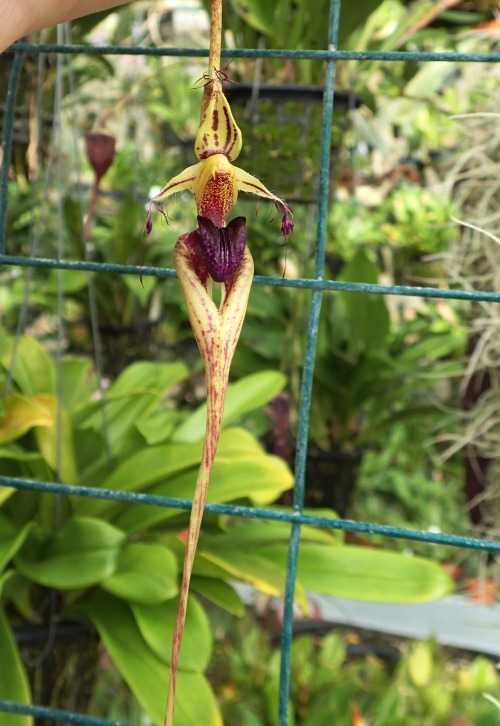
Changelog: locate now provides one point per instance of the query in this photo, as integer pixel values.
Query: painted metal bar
(57, 715)
(308, 371)
(279, 53)
(303, 283)
(274, 515)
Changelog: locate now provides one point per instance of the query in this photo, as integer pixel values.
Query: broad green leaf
(16, 453)
(83, 553)
(367, 314)
(54, 442)
(79, 382)
(247, 394)
(11, 539)
(11, 453)
(21, 415)
(72, 280)
(218, 592)
(262, 572)
(143, 469)
(156, 624)
(363, 573)
(13, 681)
(34, 370)
(248, 534)
(158, 463)
(145, 573)
(257, 14)
(17, 589)
(145, 673)
(136, 391)
(158, 426)
(260, 478)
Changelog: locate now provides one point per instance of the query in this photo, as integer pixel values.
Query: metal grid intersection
(317, 284)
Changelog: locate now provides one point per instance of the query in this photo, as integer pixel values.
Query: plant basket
(62, 662)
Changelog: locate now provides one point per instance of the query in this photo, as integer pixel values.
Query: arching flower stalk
(212, 252)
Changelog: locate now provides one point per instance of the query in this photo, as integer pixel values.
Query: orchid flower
(212, 252)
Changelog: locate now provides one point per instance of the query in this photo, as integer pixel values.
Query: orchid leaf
(21, 415)
(14, 684)
(142, 470)
(136, 391)
(17, 589)
(248, 394)
(145, 573)
(260, 478)
(34, 370)
(79, 382)
(11, 539)
(156, 624)
(218, 592)
(362, 573)
(262, 572)
(56, 440)
(145, 673)
(16, 453)
(83, 553)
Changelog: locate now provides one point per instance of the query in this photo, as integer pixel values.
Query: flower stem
(215, 36)
(214, 52)
(216, 331)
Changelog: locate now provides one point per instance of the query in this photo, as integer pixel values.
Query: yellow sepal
(218, 132)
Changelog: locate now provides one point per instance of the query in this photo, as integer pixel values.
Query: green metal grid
(317, 284)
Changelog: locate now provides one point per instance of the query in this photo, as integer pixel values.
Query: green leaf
(136, 391)
(262, 572)
(145, 573)
(145, 673)
(158, 426)
(141, 470)
(261, 478)
(248, 394)
(17, 589)
(79, 382)
(156, 624)
(22, 414)
(362, 573)
(83, 553)
(53, 441)
(257, 14)
(13, 681)
(16, 453)
(34, 370)
(367, 314)
(218, 592)
(11, 539)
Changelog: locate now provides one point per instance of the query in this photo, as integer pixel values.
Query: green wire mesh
(317, 284)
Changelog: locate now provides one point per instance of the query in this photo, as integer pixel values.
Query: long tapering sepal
(216, 330)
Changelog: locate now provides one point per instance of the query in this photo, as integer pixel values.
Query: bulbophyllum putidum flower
(214, 251)
(214, 180)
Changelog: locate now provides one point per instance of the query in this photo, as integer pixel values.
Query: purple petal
(286, 221)
(222, 248)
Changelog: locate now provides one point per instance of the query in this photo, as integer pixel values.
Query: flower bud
(100, 147)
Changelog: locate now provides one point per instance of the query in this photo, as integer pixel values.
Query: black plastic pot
(331, 478)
